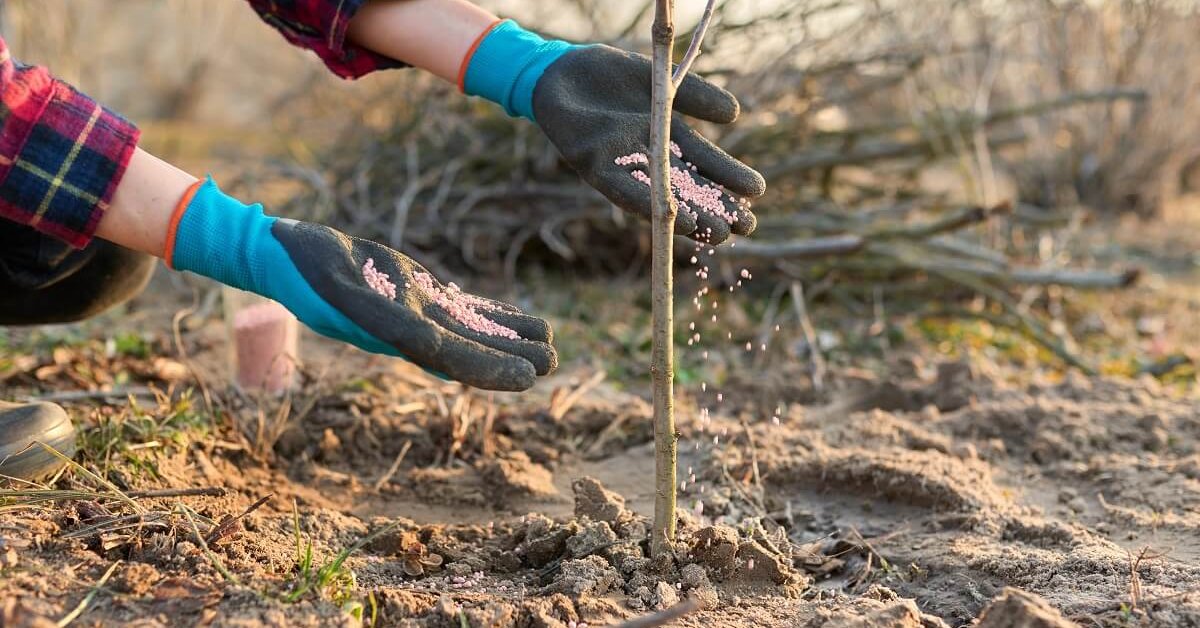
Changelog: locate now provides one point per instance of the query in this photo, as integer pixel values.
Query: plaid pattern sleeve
(320, 26)
(61, 154)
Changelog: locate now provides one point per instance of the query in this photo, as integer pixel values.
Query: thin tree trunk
(663, 209)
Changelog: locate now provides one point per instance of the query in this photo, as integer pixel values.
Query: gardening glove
(359, 292)
(593, 102)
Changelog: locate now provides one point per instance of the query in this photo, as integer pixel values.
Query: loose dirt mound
(910, 503)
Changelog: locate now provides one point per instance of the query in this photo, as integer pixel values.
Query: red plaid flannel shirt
(62, 155)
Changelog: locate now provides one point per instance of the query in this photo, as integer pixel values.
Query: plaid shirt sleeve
(320, 26)
(61, 154)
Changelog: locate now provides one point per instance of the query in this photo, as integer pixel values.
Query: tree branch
(693, 50)
(798, 249)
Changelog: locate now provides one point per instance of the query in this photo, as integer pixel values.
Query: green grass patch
(135, 436)
(333, 580)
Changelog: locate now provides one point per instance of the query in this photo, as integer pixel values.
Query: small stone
(638, 599)
(707, 596)
(543, 549)
(587, 576)
(330, 443)
(516, 475)
(507, 562)
(595, 502)
(137, 579)
(953, 387)
(1014, 608)
(665, 596)
(716, 547)
(594, 537)
(762, 564)
(459, 568)
(694, 576)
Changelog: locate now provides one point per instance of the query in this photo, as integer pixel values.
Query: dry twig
(686, 607)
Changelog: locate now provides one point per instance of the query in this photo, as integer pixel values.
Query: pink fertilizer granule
(378, 281)
(463, 307)
(689, 194)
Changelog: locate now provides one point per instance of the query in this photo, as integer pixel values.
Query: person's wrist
(219, 237)
(506, 63)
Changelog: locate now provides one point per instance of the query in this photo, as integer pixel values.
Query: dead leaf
(8, 557)
(169, 370)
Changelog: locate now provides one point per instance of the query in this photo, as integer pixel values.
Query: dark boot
(21, 424)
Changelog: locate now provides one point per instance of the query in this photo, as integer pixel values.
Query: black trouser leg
(45, 281)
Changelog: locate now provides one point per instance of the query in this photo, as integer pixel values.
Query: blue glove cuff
(507, 65)
(222, 238)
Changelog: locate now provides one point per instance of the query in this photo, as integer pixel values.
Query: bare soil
(915, 501)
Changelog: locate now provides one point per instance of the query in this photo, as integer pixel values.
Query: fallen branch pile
(467, 191)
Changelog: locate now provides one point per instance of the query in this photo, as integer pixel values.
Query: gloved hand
(359, 292)
(593, 102)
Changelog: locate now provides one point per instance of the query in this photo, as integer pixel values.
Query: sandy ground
(915, 500)
(918, 492)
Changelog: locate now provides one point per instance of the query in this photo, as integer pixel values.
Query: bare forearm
(433, 35)
(140, 213)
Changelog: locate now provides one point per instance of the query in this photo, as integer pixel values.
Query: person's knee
(109, 280)
(113, 275)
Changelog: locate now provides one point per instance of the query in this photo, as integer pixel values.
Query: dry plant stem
(665, 617)
(387, 476)
(800, 249)
(226, 527)
(207, 491)
(560, 405)
(810, 336)
(212, 558)
(86, 395)
(83, 604)
(115, 492)
(663, 211)
(693, 50)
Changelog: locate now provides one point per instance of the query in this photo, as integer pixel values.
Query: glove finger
(478, 365)
(714, 229)
(746, 223)
(711, 229)
(332, 264)
(429, 343)
(634, 195)
(716, 164)
(714, 221)
(436, 349)
(699, 98)
(511, 316)
(539, 354)
(529, 327)
(500, 305)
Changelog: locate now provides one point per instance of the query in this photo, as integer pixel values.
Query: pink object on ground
(462, 307)
(266, 337)
(379, 282)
